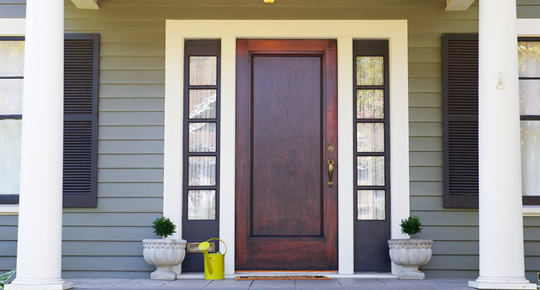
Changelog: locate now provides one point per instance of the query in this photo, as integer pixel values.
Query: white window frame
(345, 31)
(11, 27)
(529, 27)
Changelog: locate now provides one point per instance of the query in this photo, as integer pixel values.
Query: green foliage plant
(4, 277)
(411, 225)
(164, 227)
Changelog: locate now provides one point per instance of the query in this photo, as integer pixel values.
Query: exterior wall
(105, 242)
(130, 161)
(12, 8)
(531, 225)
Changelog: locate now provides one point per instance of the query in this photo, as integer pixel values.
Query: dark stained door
(286, 211)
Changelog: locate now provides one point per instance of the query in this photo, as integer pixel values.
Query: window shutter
(81, 70)
(460, 120)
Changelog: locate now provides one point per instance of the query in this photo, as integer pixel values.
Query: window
(529, 93)
(81, 59)
(460, 119)
(11, 91)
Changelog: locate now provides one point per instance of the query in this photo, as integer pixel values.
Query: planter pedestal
(410, 254)
(164, 253)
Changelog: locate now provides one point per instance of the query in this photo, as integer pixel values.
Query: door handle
(330, 163)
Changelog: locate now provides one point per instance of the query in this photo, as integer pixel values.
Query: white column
(39, 248)
(500, 208)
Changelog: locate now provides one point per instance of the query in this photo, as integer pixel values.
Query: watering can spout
(207, 262)
(214, 264)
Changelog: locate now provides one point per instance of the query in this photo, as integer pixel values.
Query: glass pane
(201, 205)
(202, 104)
(202, 170)
(369, 70)
(370, 104)
(202, 70)
(529, 97)
(370, 170)
(530, 157)
(371, 205)
(370, 137)
(529, 58)
(202, 137)
(11, 91)
(12, 56)
(10, 156)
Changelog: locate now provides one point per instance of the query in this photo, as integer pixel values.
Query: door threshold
(330, 274)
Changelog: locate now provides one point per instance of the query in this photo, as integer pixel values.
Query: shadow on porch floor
(338, 283)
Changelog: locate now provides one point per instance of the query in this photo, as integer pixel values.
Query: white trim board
(345, 31)
(12, 26)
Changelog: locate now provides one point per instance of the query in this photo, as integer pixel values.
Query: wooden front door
(286, 146)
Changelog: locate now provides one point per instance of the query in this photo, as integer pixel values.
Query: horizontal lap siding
(105, 242)
(455, 232)
(12, 8)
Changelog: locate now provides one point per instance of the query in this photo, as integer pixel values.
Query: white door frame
(345, 31)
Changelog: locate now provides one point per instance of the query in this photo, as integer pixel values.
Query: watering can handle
(221, 241)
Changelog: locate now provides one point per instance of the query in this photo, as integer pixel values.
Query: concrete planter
(164, 253)
(410, 254)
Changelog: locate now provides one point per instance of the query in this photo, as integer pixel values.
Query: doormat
(298, 277)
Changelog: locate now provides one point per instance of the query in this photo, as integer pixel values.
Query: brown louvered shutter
(460, 120)
(81, 61)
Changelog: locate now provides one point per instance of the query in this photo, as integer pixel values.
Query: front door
(286, 155)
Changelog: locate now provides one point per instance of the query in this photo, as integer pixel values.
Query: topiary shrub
(411, 225)
(164, 227)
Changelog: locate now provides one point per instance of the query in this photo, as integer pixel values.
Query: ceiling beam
(458, 5)
(86, 4)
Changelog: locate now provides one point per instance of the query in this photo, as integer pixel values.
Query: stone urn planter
(164, 253)
(410, 254)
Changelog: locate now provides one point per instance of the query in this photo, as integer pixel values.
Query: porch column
(39, 247)
(500, 207)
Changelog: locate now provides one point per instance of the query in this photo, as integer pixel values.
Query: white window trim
(11, 27)
(529, 27)
(345, 31)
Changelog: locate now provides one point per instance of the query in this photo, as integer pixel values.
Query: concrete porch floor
(337, 283)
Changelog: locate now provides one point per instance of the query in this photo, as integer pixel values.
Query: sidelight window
(372, 155)
(201, 146)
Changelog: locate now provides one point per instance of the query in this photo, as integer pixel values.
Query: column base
(502, 283)
(39, 285)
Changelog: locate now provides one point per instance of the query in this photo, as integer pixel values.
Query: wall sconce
(500, 85)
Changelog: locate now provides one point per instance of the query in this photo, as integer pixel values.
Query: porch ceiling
(95, 4)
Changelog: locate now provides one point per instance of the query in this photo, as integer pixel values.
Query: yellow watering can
(214, 264)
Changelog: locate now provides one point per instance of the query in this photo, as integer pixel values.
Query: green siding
(12, 8)
(105, 242)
